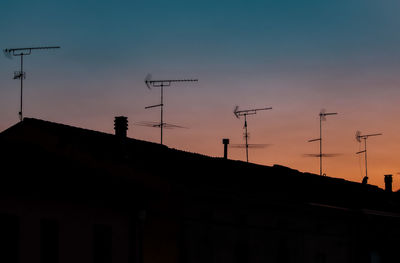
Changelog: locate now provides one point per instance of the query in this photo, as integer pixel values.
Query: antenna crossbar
(153, 106)
(249, 112)
(171, 80)
(327, 113)
(369, 135)
(166, 82)
(27, 50)
(242, 113)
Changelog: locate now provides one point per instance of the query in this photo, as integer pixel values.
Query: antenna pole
(162, 113)
(320, 144)
(246, 135)
(22, 79)
(365, 154)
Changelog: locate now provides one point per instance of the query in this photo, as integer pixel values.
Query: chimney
(225, 142)
(388, 183)
(121, 126)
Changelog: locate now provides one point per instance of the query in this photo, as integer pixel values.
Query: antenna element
(244, 113)
(322, 117)
(21, 52)
(161, 84)
(360, 137)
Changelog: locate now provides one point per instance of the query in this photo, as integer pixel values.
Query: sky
(297, 57)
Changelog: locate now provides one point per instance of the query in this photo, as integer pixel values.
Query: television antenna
(322, 117)
(161, 84)
(244, 113)
(21, 52)
(360, 137)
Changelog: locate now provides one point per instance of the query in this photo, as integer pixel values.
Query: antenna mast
(365, 137)
(244, 113)
(161, 84)
(322, 117)
(21, 52)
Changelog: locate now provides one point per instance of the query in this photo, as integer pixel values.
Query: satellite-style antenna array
(360, 137)
(322, 117)
(161, 84)
(244, 113)
(21, 52)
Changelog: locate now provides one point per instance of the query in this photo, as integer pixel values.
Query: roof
(62, 151)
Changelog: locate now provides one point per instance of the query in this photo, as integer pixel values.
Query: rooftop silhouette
(145, 202)
(109, 154)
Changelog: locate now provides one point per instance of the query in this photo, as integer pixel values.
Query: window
(102, 244)
(49, 239)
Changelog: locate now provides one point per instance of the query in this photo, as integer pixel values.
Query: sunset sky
(295, 56)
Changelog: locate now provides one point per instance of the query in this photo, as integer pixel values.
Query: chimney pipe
(388, 183)
(225, 142)
(121, 126)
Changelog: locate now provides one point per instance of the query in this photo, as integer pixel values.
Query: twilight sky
(295, 56)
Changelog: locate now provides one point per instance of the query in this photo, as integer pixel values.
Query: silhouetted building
(75, 195)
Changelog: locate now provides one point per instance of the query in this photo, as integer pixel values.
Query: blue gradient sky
(296, 56)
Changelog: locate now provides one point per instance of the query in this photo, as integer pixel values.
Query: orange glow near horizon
(286, 128)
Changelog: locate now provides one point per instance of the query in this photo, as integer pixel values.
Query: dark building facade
(75, 195)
